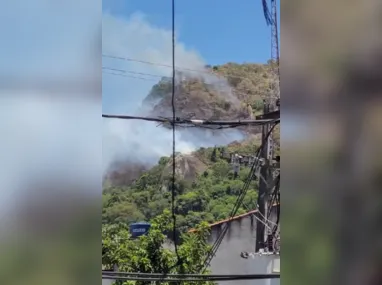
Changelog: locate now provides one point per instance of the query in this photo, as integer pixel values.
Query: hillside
(205, 186)
(228, 91)
(206, 190)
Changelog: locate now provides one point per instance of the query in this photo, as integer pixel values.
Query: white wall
(240, 237)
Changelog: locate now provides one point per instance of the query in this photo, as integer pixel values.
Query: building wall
(241, 236)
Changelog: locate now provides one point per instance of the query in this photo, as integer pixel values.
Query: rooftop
(238, 217)
(230, 219)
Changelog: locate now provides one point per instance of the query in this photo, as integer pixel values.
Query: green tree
(148, 254)
(209, 197)
(214, 155)
(221, 169)
(125, 212)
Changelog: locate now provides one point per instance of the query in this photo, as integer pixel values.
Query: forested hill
(206, 192)
(221, 92)
(205, 186)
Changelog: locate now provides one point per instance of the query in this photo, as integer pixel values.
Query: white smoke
(145, 142)
(49, 127)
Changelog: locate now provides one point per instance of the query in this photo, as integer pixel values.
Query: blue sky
(208, 32)
(221, 31)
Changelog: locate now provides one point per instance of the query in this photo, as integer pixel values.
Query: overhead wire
(159, 277)
(131, 74)
(263, 219)
(173, 123)
(241, 196)
(173, 193)
(239, 201)
(274, 194)
(194, 122)
(275, 199)
(151, 274)
(259, 220)
(200, 71)
(222, 234)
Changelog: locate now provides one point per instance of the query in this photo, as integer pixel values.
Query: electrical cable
(200, 71)
(241, 196)
(222, 234)
(263, 220)
(239, 201)
(154, 77)
(131, 72)
(275, 198)
(195, 122)
(274, 194)
(173, 209)
(119, 273)
(260, 220)
(150, 277)
(130, 76)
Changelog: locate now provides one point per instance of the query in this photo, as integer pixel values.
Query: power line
(126, 73)
(191, 123)
(152, 274)
(183, 277)
(130, 76)
(173, 132)
(263, 219)
(201, 71)
(132, 72)
(239, 201)
(275, 198)
(222, 234)
(195, 122)
(154, 63)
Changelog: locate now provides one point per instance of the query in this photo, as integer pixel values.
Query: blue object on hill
(139, 229)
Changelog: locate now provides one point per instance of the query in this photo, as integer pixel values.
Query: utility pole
(266, 156)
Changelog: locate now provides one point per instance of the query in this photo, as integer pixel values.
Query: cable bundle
(158, 277)
(238, 203)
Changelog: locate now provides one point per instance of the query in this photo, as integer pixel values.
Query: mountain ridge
(205, 184)
(229, 91)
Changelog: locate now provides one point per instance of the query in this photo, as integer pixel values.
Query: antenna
(275, 54)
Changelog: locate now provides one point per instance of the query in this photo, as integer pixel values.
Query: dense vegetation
(210, 197)
(209, 96)
(148, 254)
(212, 191)
(205, 186)
(251, 82)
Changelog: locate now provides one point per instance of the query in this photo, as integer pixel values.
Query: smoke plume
(138, 141)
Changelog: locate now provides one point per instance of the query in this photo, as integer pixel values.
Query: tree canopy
(206, 189)
(209, 197)
(149, 253)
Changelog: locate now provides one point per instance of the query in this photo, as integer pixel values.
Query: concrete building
(241, 237)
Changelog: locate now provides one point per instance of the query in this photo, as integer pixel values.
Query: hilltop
(229, 91)
(205, 185)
